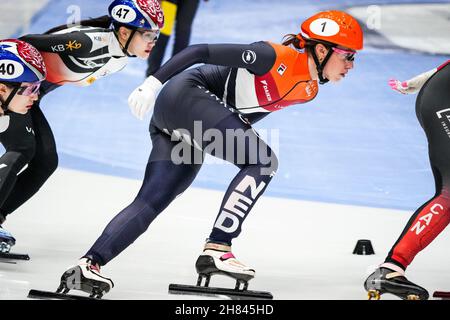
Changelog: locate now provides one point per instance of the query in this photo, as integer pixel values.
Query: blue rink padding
(357, 143)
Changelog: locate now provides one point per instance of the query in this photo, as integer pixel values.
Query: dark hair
(301, 43)
(291, 39)
(99, 22)
(10, 84)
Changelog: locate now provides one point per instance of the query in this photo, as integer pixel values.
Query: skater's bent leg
(424, 226)
(257, 163)
(242, 194)
(40, 168)
(428, 221)
(163, 182)
(10, 165)
(20, 144)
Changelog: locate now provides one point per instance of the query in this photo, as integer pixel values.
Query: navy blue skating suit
(211, 109)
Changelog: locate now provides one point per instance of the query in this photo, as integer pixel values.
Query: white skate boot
(85, 276)
(218, 259)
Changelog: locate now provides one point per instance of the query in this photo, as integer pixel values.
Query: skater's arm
(443, 65)
(74, 43)
(257, 57)
(413, 85)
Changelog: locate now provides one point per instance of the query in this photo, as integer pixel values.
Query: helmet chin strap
(125, 49)
(321, 66)
(5, 104)
(127, 44)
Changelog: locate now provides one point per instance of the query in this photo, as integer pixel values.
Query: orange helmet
(332, 28)
(336, 27)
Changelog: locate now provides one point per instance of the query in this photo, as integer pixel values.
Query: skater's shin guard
(424, 226)
(243, 192)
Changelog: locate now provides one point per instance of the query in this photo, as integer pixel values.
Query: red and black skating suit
(433, 112)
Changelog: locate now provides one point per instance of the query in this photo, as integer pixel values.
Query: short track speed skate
(8, 257)
(218, 259)
(7, 241)
(85, 277)
(385, 280)
(444, 295)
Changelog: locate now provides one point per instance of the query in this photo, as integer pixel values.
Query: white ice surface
(16, 15)
(422, 27)
(300, 250)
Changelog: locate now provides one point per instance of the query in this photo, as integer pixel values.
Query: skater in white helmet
(22, 70)
(77, 55)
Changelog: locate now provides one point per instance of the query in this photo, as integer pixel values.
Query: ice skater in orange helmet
(239, 85)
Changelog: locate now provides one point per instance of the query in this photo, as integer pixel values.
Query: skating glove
(143, 98)
(412, 85)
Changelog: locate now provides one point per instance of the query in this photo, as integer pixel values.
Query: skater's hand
(412, 85)
(143, 98)
(401, 87)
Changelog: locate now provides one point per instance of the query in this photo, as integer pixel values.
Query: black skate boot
(85, 276)
(385, 280)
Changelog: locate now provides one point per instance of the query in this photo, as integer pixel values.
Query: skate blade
(48, 295)
(214, 292)
(376, 295)
(444, 295)
(10, 257)
(373, 294)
